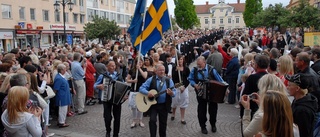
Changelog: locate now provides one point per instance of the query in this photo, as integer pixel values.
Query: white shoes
(50, 135)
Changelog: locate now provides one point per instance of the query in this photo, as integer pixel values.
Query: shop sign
(40, 27)
(29, 26)
(21, 24)
(6, 35)
(60, 27)
(20, 36)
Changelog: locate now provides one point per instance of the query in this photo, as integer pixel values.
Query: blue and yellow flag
(157, 21)
(136, 23)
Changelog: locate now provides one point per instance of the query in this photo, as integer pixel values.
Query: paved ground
(92, 124)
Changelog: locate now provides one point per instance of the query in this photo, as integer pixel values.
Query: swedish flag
(136, 23)
(157, 21)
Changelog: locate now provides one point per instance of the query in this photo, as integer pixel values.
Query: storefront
(28, 36)
(72, 36)
(6, 40)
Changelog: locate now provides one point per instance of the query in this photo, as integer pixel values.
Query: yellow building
(222, 15)
(293, 3)
(36, 23)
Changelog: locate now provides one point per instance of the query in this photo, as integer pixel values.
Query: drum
(216, 91)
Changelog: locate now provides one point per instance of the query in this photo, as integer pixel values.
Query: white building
(222, 15)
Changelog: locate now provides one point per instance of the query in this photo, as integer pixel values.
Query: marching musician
(108, 106)
(201, 73)
(159, 83)
(182, 97)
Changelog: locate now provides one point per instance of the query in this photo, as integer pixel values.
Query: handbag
(48, 93)
(43, 104)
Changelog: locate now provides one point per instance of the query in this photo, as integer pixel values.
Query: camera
(252, 96)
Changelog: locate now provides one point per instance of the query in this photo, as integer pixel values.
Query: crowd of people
(272, 79)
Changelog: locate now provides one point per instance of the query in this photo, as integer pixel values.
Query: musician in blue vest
(162, 84)
(201, 73)
(108, 106)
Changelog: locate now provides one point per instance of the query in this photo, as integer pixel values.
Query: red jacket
(90, 71)
(226, 57)
(264, 40)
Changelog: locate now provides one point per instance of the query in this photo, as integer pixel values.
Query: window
(90, 14)
(206, 21)
(221, 10)
(221, 21)
(32, 14)
(237, 20)
(82, 18)
(67, 17)
(113, 3)
(21, 13)
(127, 5)
(45, 15)
(113, 16)
(57, 16)
(6, 11)
(120, 18)
(75, 18)
(106, 2)
(81, 3)
(213, 21)
(229, 20)
(74, 2)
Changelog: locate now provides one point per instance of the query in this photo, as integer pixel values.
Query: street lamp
(57, 8)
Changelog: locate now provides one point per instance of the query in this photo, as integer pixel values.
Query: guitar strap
(161, 84)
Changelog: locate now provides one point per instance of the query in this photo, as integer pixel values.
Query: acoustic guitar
(143, 102)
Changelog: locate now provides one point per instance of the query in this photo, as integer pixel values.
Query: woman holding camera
(18, 120)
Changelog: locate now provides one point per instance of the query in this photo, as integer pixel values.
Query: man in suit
(63, 95)
(108, 106)
(159, 83)
(168, 65)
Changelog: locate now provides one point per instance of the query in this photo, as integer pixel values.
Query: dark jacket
(304, 110)
(314, 81)
(233, 68)
(316, 67)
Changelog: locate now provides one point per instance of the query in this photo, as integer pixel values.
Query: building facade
(293, 3)
(38, 24)
(221, 15)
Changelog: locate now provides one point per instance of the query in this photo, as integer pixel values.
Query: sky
(202, 2)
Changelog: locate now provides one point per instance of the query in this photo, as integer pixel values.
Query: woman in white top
(267, 82)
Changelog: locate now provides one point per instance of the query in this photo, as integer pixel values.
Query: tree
(272, 16)
(185, 13)
(101, 28)
(252, 7)
(304, 16)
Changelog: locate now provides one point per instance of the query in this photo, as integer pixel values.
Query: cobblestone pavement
(92, 123)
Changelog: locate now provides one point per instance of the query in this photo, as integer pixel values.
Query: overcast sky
(201, 2)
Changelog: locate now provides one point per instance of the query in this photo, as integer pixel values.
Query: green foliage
(101, 28)
(185, 13)
(252, 7)
(304, 16)
(271, 16)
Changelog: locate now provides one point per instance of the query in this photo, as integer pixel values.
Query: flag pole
(142, 29)
(172, 35)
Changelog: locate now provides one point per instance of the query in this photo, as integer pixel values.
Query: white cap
(88, 54)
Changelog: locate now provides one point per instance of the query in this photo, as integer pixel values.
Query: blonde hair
(6, 83)
(270, 82)
(286, 65)
(34, 58)
(277, 119)
(17, 102)
(248, 57)
(55, 64)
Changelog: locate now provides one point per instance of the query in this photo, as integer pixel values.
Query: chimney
(238, 1)
(207, 2)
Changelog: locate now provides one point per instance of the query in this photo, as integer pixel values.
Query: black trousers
(161, 110)
(202, 112)
(116, 111)
(233, 90)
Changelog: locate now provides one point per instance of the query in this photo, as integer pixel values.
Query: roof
(201, 9)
